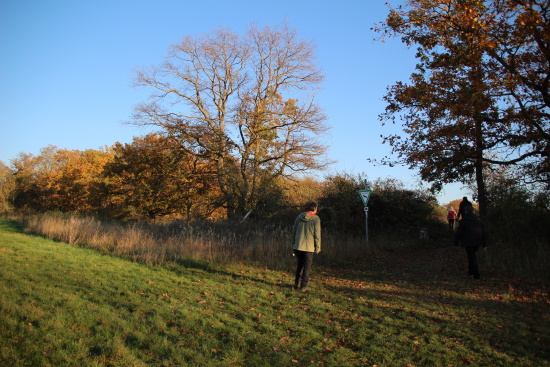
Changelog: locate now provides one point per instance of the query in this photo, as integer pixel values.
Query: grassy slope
(62, 305)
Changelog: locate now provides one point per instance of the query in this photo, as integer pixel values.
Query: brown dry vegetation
(156, 243)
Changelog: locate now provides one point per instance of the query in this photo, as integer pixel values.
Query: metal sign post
(365, 196)
(367, 223)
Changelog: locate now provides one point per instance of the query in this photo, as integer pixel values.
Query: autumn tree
(301, 190)
(59, 179)
(30, 175)
(479, 96)
(7, 187)
(74, 185)
(245, 103)
(153, 177)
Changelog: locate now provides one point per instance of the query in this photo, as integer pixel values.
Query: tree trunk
(480, 180)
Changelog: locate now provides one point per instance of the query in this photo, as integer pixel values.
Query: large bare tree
(246, 103)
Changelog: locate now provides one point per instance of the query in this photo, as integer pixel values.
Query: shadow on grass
(518, 329)
(431, 285)
(11, 226)
(182, 266)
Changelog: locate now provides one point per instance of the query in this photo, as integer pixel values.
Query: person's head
(311, 206)
(465, 198)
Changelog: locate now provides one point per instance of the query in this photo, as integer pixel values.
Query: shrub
(518, 227)
(393, 209)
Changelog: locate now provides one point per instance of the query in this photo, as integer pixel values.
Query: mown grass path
(62, 305)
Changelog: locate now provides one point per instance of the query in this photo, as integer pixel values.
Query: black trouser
(473, 268)
(304, 260)
(451, 224)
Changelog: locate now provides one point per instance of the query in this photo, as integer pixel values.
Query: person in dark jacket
(471, 235)
(463, 204)
(306, 240)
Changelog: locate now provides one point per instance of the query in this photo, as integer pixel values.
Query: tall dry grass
(155, 243)
(253, 243)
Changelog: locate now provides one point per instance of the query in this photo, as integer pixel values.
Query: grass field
(63, 305)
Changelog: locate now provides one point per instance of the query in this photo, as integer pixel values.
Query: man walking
(306, 240)
(471, 235)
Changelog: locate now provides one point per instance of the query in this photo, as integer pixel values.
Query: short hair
(311, 206)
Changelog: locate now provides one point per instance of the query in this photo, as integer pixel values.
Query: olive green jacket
(306, 233)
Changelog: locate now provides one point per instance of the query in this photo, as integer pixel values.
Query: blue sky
(66, 69)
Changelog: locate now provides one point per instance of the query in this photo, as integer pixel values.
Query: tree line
(151, 178)
(146, 179)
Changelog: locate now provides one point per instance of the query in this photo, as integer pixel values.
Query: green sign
(365, 195)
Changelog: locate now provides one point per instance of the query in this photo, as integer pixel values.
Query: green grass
(63, 305)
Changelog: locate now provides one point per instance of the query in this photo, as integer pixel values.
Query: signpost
(365, 196)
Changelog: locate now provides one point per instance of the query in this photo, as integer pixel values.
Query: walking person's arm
(317, 236)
